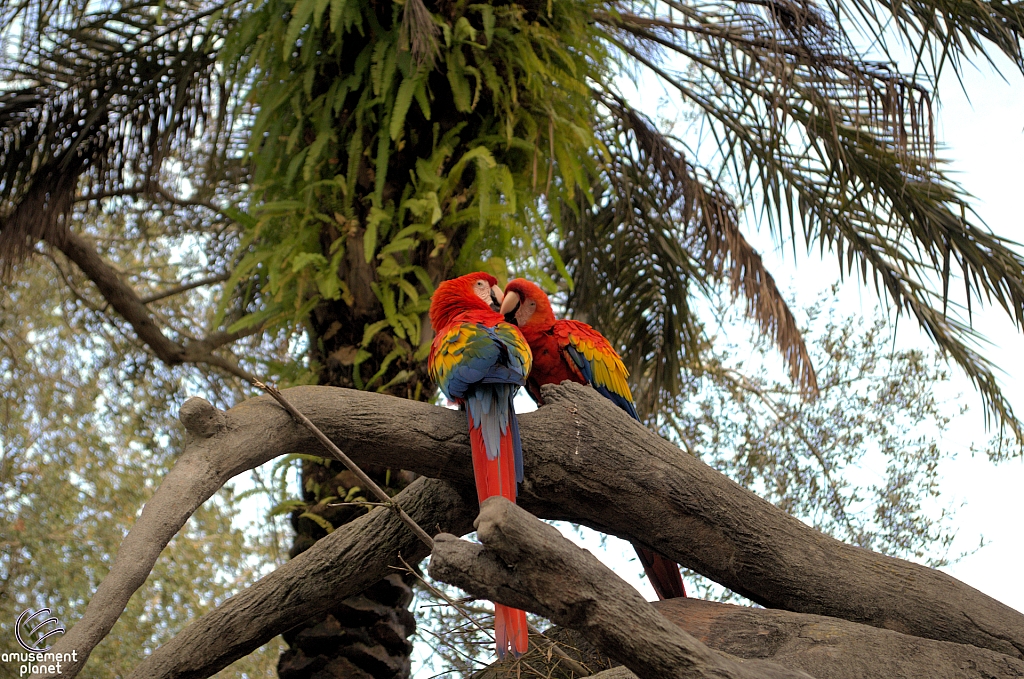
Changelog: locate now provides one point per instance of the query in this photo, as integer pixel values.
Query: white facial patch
(525, 312)
(482, 290)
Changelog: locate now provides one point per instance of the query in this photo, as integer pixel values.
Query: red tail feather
(508, 466)
(498, 477)
(663, 574)
(510, 630)
(484, 471)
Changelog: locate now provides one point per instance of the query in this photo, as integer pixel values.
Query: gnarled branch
(338, 566)
(527, 564)
(585, 461)
(830, 647)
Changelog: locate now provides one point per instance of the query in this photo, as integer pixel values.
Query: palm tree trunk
(365, 636)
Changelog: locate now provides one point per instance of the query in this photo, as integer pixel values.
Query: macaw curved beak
(509, 307)
(497, 297)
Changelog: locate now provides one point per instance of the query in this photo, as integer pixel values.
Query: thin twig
(577, 669)
(359, 504)
(567, 661)
(438, 593)
(347, 461)
(184, 287)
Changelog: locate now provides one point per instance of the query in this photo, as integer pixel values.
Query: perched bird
(479, 361)
(571, 350)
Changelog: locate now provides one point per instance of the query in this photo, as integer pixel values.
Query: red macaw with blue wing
(571, 350)
(479, 361)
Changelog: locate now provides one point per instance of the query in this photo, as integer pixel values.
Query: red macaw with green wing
(479, 361)
(571, 350)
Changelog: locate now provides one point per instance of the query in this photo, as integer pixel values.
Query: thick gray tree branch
(338, 454)
(210, 459)
(195, 477)
(615, 673)
(826, 648)
(587, 462)
(339, 566)
(525, 563)
(832, 648)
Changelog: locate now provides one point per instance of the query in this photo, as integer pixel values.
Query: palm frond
(656, 235)
(102, 97)
(941, 31)
(709, 229)
(419, 32)
(632, 276)
(840, 152)
(634, 282)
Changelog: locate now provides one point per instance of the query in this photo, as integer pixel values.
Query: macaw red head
(526, 305)
(474, 291)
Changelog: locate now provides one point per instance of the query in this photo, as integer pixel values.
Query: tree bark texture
(525, 563)
(826, 648)
(329, 579)
(586, 462)
(541, 571)
(367, 637)
(830, 648)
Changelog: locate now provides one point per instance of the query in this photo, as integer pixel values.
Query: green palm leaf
(100, 98)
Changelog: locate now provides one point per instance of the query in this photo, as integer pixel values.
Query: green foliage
(861, 462)
(391, 145)
(356, 169)
(378, 164)
(81, 450)
(320, 500)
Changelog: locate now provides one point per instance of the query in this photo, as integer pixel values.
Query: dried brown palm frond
(419, 32)
(937, 31)
(709, 229)
(839, 150)
(657, 234)
(99, 97)
(634, 280)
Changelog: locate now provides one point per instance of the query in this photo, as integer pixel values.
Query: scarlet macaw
(479, 361)
(571, 350)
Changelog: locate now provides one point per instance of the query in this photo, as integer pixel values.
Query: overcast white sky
(985, 139)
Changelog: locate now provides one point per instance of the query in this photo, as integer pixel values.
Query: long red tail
(663, 573)
(497, 476)
(493, 476)
(510, 632)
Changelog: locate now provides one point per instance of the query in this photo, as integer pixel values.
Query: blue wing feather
(473, 353)
(484, 366)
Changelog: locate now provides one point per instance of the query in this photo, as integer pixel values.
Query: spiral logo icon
(39, 622)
